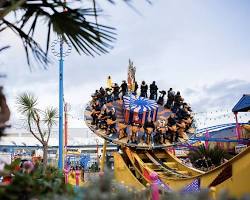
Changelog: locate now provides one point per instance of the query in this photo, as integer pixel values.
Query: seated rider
(124, 88)
(181, 125)
(102, 96)
(109, 97)
(96, 110)
(102, 120)
(122, 130)
(172, 128)
(135, 127)
(149, 124)
(116, 91)
(161, 128)
(111, 121)
(148, 134)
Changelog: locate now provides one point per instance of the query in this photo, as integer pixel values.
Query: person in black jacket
(161, 97)
(172, 129)
(178, 100)
(136, 88)
(102, 98)
(170, 100)
(124, 88)
(144, 89)
(116, 91)
(153, 91)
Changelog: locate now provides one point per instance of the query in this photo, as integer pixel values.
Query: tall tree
(39, 122)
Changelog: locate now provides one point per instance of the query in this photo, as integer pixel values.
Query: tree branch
(37, 120)
(49, 132)
(31, 131)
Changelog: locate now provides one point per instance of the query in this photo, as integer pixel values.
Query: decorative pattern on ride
(194, 186)
(139, 109)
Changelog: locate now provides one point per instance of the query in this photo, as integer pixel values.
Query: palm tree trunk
(45, 156)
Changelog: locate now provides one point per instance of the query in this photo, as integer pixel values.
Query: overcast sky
(200, 48)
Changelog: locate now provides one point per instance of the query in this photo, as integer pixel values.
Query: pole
(97, 156)
(65, 126)
(60, 160)
(65, 132)
(62, 53)
(103, 155)
(237, 128)
(206, 139)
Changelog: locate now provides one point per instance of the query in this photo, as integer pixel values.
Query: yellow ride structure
(232, 176)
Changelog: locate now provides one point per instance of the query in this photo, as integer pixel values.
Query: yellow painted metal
(179, 165)
(72, 179)
(237, 185)
(103, 155)
(123, 174)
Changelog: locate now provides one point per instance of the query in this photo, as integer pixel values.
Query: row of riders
(162, 131)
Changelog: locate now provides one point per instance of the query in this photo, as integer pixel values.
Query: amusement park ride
(144, 161)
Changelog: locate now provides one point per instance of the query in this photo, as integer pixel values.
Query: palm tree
(76, 25)
(79, 26)
(39, 122)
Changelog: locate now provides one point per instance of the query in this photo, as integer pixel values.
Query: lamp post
(64, 50)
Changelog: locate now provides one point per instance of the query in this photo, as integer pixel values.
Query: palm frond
(8, 6)
(27, 104)
(30, 45)
(75, 26)
(79, 26)
(50, 116)
(4, 48)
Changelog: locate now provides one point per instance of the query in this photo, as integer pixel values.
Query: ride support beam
(103, 155)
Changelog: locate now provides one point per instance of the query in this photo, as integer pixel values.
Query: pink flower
(28, 166)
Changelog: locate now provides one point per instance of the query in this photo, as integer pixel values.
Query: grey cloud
(224, 94)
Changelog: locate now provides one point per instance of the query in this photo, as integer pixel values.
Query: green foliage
(75, 25)
(35, 184)
(50, 185)
(205, 158)
(27, 106)
(78, 25)
(39, 122)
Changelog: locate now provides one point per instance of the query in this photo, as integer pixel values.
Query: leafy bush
(207, 158)
(50, 185)
(32, 184)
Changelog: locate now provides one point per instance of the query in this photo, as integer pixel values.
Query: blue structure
(84, 161)
(60, 160)
(243, 104)
(61, 54)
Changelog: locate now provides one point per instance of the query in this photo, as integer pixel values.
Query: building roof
(76, 137)
(243, 104)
